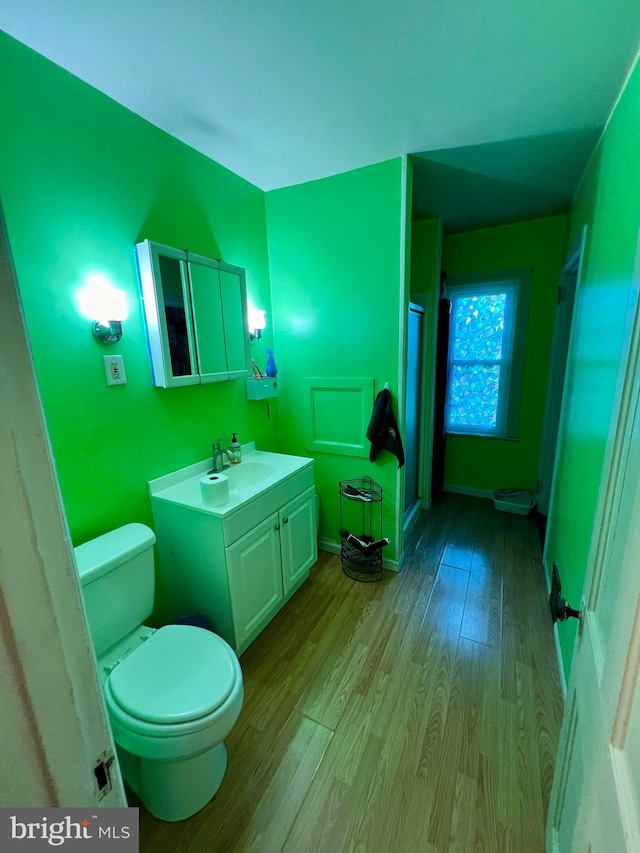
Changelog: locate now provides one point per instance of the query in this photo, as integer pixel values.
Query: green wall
(608, 203)
(426, 248)
(335, 256)
(82, 180)
(488, 463)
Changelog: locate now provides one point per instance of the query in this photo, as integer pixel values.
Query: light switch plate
(114, 368)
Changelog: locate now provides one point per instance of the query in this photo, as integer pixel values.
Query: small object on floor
(356, 494)
(516, 501)
(362, 544)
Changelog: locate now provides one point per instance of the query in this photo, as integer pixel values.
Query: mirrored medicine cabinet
(196, 314)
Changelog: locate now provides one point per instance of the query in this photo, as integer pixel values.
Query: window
(486, 353)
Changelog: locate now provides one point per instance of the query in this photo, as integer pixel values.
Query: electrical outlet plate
(114, 368)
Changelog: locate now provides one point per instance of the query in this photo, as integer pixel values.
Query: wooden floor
(420, 713)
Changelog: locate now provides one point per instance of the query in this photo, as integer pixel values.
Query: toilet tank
(117, 580)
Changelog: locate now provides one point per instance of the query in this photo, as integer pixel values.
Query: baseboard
(556, 638)
(329, 545)
(467, 490)
(414, 515)
(553, 845)
(334, 548)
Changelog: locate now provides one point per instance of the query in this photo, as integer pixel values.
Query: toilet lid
(180, 673)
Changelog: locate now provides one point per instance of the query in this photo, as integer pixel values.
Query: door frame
(53, 716)
(411, 516)
(569, 277)
(428, 301)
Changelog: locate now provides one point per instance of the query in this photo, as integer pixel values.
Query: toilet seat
(178, 676)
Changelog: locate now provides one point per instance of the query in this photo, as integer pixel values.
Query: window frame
(516, 283)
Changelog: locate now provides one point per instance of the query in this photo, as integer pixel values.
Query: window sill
(482, 435)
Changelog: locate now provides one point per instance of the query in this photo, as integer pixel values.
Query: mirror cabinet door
(167, 309)
(234, 302)
(208, 321)
(177, 316)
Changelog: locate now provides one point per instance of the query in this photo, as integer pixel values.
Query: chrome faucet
(219, 453)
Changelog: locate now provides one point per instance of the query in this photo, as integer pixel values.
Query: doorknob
(559, 608)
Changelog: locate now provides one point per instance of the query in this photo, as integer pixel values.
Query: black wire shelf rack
(360, 527)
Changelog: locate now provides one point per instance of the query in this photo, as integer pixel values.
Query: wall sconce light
(105, 306)
(256, 322)
(108, 332)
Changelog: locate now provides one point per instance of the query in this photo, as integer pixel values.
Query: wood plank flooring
(420, 713)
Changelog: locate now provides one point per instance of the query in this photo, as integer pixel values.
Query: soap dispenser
(236, 449)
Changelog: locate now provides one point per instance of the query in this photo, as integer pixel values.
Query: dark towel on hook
(383, 432)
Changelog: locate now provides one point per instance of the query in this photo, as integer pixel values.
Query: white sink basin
(258, 473)
(248, 474)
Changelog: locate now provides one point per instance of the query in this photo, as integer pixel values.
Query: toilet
(173, 694)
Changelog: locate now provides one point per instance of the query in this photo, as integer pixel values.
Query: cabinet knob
(286, 521)
(277, 527)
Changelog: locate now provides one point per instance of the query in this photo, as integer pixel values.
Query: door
(557, 368)
(165, 289)
(233, 293)
(204, 277)
(595, 802)
(255, 578)
(54, 734)
(298, 539)
(413, 407)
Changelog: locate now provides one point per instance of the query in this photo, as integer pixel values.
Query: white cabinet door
(233, 296)
(165, 289)
(298, 539)
(208, 320)
(255, 578)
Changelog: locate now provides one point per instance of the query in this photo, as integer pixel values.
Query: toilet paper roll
(214, 489)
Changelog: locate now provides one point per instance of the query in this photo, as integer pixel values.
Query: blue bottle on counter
(271, 368)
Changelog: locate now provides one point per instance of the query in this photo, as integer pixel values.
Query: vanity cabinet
(268, 564)
(237, 568)
(196, 316)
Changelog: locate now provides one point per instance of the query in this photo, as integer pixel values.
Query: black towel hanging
(383, 432)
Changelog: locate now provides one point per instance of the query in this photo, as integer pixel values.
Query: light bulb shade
(256, 320)
(99, 300)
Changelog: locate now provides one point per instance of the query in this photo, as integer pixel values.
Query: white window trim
(518, 281)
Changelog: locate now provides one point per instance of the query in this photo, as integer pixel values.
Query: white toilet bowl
(172, 701)
(173, 694)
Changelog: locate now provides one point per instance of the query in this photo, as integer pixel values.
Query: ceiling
(501, 101)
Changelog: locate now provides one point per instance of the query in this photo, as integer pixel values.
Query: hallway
(420, 713)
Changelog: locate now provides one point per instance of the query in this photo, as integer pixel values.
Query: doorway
(555, 385)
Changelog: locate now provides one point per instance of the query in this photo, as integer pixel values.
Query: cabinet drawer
(254, 512)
